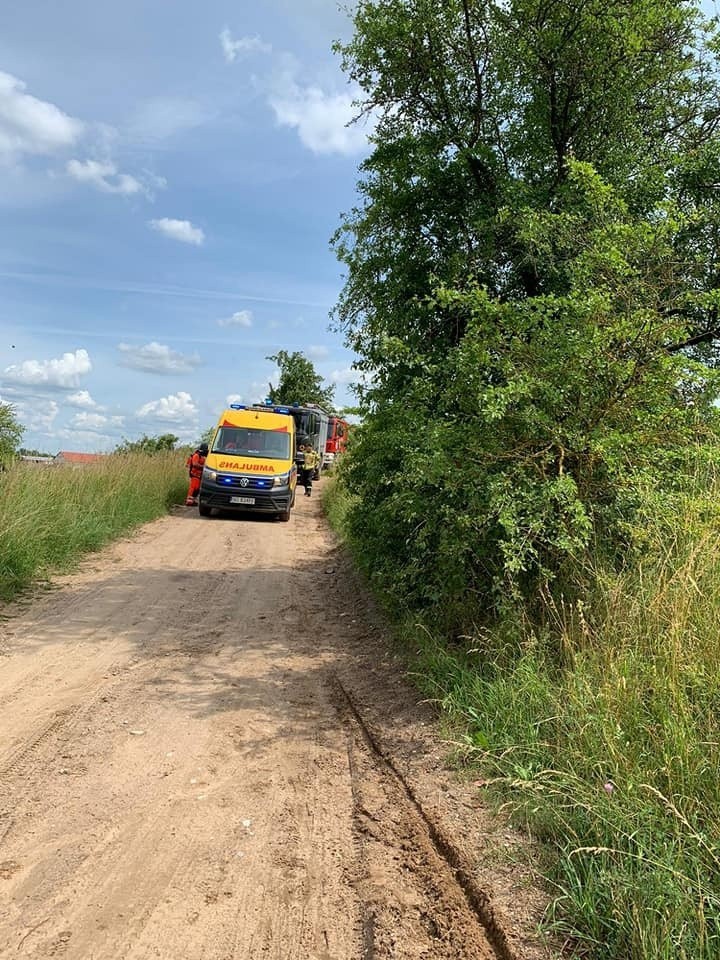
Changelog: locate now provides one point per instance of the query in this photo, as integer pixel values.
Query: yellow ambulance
(251, 462)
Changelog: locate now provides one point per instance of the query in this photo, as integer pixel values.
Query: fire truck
(311, 426)
(336, 440)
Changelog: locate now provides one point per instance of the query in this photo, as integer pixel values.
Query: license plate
(247, 500)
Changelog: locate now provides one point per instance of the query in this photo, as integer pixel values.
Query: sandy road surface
(196, 761)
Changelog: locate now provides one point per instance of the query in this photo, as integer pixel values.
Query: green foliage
(10, 434)
(489, 476)
(531, 268)
(50, 515)
(166, 441)
(481, 105)
(299, 381)
(609, 760)
(336, 501)
(533, 285)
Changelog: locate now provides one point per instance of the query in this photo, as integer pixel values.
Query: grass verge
(610, 753)
(50, 516)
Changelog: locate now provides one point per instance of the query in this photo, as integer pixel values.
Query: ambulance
(250, 464)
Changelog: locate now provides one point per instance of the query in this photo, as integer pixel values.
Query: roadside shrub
(599, 732)
(486, 480)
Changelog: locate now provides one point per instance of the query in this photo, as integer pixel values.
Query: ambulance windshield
(247, 442)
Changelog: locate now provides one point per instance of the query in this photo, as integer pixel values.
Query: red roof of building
(69, 456)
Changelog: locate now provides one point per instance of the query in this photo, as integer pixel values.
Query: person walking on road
(195, 464)
(310, 462)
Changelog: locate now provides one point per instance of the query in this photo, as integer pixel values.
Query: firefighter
(195, 465)
(310, 463)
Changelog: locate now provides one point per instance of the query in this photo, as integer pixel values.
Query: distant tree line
(145, 444)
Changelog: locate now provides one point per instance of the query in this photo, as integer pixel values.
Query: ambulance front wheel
(284, 516)
(204, 510)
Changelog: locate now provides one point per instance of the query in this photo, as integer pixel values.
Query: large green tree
(533, 285)
(299, 382)
(480, 104)
(485, 476)
(537, 239)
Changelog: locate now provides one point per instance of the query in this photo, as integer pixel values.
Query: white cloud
(181, 230)
(87, 441)
(234, 398)
(44, 416)
(81, 399)
(36, 414)
(63, 371)
(258, 389)
(318, 352)
(243, 318)
(161, 118)
(94, 422)
(175, 408)
(347, 375)
(157, 358)
(29, 125)
(322, 120)
(89, 421)
(33, 127)
(231, 48)
(150, 183)
(104, 176)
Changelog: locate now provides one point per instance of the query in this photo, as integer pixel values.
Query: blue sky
(170, 176)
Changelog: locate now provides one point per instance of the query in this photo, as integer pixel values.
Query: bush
(599, 732)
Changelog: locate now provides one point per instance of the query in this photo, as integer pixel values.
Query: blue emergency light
(238, 406)
(282, 410)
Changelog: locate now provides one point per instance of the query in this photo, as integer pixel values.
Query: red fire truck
(336, 439)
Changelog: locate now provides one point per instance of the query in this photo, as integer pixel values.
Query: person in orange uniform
(195, 465)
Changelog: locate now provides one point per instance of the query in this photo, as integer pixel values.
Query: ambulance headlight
(209, 474)
(281, 480)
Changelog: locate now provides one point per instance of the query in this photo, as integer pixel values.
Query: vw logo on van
(244, 481)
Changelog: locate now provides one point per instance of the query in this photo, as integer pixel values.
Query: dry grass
(51, 515)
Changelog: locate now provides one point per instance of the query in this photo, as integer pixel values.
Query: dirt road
(198, 761)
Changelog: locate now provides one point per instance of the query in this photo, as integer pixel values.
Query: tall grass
(336, 501)
(610, 752)
(51, 515)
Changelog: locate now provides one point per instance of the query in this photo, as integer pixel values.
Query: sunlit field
(51, 515)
